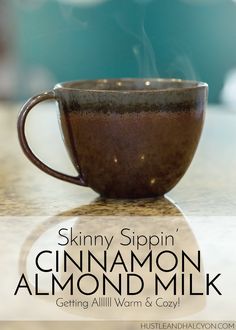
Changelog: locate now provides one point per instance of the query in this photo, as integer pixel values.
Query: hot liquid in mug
(127, 138)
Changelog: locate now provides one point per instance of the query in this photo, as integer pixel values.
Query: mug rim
(193, 85)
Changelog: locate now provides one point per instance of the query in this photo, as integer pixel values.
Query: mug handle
(27, 107)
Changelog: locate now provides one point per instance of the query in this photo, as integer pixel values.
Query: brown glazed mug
(127, 138)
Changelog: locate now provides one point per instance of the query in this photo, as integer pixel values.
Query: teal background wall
(127, 38)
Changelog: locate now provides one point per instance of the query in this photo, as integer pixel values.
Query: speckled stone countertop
(207, 188)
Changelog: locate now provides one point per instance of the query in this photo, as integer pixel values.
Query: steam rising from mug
(145, 56)
(143, 50)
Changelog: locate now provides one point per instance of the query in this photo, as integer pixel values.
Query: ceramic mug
(127, 138)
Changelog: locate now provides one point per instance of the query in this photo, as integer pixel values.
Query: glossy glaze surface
(130, 139)
(133, 155)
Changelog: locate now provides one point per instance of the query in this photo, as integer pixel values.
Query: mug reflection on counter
(108, 218)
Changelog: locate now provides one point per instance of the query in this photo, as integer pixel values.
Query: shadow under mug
(127, 138)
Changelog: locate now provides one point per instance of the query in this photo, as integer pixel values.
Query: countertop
(208, 187)
(34, 205)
